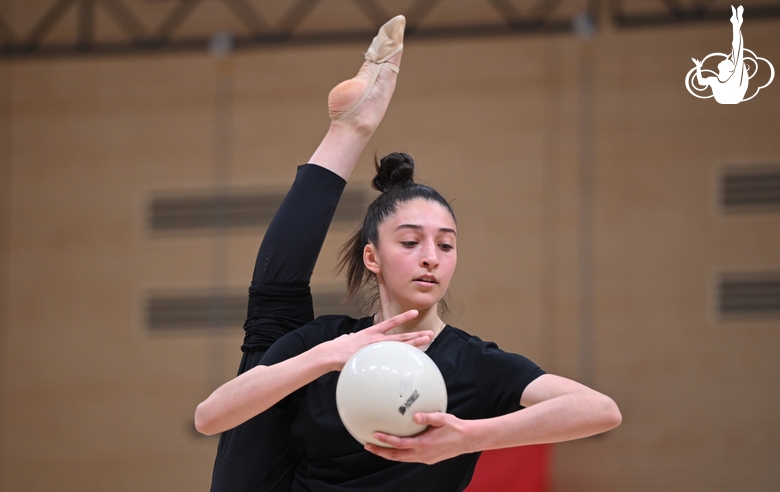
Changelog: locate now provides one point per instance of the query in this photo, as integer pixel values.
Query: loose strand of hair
(351, 260)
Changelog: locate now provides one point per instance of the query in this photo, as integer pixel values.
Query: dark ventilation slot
(203, 212)
(751, 189)
(195, 310)
(750, 295)
(184, 310)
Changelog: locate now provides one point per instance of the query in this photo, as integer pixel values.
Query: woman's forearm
(563, 418)
(257, 390)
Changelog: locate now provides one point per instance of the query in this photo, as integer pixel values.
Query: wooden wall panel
(6, 85)
(694, 391)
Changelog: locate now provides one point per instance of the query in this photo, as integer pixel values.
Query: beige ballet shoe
(386, 44)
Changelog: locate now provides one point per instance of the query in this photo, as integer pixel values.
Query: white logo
(730, 84)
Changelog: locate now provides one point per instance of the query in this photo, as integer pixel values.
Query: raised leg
(259, 455)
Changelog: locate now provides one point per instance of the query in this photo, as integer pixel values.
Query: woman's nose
(429, 257)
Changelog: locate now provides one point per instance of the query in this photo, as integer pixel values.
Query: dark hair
(395, 180)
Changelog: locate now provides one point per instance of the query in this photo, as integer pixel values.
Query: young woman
(259, 454)
(407, 248)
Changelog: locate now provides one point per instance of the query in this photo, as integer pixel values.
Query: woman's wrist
(478, 435)
(325, 358)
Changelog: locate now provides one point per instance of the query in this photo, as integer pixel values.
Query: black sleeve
(502, 377)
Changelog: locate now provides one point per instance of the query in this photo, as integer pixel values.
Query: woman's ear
(371, 259)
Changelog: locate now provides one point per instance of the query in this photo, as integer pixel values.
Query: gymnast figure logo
(730, 84)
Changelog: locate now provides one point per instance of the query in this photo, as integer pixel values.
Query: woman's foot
(361, 101)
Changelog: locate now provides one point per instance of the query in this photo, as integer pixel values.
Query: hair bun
(393, 169)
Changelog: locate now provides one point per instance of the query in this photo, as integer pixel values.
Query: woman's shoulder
(469, 352)
(460, 336)
(456, 339)
(455, 342)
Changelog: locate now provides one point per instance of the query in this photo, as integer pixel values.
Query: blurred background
(612, 227)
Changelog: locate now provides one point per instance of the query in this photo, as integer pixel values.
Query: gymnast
(281, 429)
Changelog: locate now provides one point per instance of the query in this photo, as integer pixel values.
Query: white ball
(383, 385)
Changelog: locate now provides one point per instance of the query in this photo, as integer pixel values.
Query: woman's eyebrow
(418, 227)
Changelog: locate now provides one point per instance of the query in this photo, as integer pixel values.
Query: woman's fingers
(390, 323)
(396, 320)
(343, 347)
(416, 338)
(421, 341)
(378, 332)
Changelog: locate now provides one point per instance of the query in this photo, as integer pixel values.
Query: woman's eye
(409, 244)
(447, 247)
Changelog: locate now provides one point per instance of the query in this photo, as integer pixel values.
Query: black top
(482, 381)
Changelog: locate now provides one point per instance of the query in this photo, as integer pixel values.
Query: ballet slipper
(387, 44)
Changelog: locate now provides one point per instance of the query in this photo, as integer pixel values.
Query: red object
(523, 469)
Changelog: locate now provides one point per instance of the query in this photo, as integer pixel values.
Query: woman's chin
(422, 302)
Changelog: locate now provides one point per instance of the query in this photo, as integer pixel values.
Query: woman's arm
(557, 409)
(259, 388)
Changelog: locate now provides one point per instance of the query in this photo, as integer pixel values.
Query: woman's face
(416, 256)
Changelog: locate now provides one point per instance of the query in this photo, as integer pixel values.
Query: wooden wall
(5, 234)
(92, 401)
(696, 393)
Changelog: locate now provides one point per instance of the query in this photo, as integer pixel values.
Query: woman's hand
(446, 436)
(342, 348)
